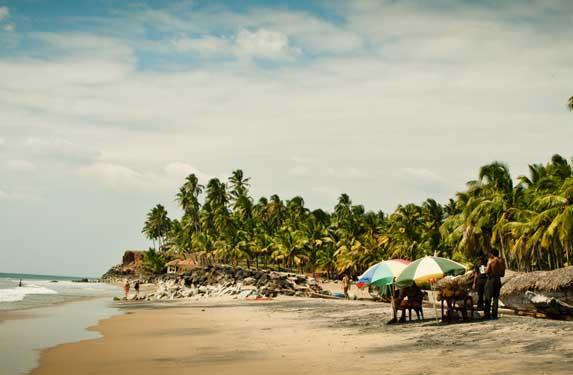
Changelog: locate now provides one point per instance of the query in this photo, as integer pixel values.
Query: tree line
(530, 221)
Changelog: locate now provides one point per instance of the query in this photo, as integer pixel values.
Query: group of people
(127, 286)
(487, 274)
(487, 283)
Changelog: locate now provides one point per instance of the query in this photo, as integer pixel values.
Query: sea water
(44, 290)
(40, 318)
(22, 339)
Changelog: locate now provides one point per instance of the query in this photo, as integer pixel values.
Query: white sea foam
(18, 293)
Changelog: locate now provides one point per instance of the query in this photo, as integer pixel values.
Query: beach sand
(307, 336)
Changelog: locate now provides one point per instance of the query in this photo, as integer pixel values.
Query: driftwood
(550, 307)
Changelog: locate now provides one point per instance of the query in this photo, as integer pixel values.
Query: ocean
(45, 290)
(34, 316)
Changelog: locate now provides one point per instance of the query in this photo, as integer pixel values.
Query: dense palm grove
(530, 222)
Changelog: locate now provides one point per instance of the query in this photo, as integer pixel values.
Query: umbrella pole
(434, 302)
(392, 303)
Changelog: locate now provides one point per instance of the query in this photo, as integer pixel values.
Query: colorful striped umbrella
(425, 269)
(366, 277)
(387, 271)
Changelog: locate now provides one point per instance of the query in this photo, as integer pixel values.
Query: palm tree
(239, 184)
(570, 104)
(531, 222)
(188, 198)
(157, 225)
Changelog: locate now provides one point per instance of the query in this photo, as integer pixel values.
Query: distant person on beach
(20, 283)
(480, 279)
(126, 288)
(346, 286)
(494, 270)
(136, 287)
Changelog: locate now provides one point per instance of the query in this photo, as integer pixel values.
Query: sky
(106, 106)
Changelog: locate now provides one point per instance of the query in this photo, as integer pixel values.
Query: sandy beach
(309, 336)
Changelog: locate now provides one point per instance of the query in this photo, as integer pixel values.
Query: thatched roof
(187, 263)
(540, 281)
(184, 263)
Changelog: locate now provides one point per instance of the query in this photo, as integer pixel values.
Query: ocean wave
(18, 294)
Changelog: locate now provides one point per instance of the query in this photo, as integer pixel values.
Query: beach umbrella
(428, 269)
(387, 270)
(366, 277)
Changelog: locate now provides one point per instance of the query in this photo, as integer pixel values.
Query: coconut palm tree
(188, 199)
(157, 225)
(531, 222)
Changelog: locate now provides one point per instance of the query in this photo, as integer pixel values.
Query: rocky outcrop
(222, 280)
(131, 261)
(130, 268)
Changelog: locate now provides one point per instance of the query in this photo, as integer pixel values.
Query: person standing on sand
(346, 286)
(494, 270)
(126, 288)
(480, 278)
(136, 287)
(20, 283)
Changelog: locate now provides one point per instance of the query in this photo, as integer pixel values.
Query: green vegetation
(154, 261)
(530, 222)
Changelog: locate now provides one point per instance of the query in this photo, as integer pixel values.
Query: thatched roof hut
(560, 280)
(180, 265)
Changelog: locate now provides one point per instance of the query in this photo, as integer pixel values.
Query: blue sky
(105, 106)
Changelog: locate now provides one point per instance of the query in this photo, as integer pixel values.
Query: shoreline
(290, 335)
(25, 333)
(20, 312)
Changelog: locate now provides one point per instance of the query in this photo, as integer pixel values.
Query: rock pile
(118, 274)
(222, 280)
(114, 275)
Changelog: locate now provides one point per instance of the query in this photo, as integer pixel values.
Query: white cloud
(18, 195)
(299, 170)
(20, 165)
(426, 181)
(177, 171)
(422, 174)
(389, 96)
(328, 191)
(263, 43)
(122, 178)
(4, 12)
(207, 45)
(349, 173)
(112, 175)
(86, 44)
(59, 148)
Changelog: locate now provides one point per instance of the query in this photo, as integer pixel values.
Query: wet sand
(308, 336)
(24, 333)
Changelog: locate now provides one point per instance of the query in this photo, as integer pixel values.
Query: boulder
(249, 281)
